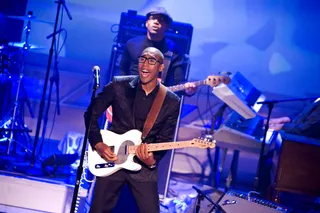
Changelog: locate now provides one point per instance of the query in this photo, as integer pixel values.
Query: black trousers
(107, 191)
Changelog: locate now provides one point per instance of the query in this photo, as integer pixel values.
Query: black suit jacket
(120, 94)
(307, 123)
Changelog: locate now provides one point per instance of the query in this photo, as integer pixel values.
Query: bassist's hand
(190, 88)
(144, 155)
(105, 152)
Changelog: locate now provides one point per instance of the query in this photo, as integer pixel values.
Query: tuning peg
(225, 73)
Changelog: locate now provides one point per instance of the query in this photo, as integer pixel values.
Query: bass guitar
(211, 80)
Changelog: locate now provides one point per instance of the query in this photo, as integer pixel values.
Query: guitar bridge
(104, 165)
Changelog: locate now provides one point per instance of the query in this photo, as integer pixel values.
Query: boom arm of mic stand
(63, 2)
(83, 151)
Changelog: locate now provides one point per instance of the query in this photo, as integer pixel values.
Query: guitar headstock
(215, 80)
(202, 143)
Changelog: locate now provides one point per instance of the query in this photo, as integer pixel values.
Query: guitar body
(101, 168)
(124, 146)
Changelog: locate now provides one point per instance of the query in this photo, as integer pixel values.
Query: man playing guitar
(131, 98)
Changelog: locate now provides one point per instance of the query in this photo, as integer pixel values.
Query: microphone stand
(215, 164)
(201, 196)
(270, 105)
(54, 80)
(83, 151)
(42, 103)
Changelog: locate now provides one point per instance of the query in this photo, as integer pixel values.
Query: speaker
(296, 165)
(132, 25)
(238, 202)
(115, 59)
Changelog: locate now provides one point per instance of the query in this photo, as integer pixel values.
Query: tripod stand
(15, 122)
(215, 206)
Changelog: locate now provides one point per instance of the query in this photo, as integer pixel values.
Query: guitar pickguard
(122, 156)
(122, 153)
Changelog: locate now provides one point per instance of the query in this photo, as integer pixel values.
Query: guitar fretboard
(163, 146)
(180, 87)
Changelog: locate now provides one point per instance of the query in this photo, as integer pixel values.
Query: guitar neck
(163, 146)
(181, 87)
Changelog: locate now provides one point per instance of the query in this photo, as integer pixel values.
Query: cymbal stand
(15, 121)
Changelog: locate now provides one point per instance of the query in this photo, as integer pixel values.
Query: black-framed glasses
(151, 61)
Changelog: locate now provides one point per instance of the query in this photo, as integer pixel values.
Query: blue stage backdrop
(275, 44)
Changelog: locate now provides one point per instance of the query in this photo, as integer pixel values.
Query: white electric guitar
(124, 146)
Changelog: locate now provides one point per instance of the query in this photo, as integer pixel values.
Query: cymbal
(21, 45)
(29, 17)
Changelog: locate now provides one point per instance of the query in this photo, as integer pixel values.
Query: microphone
(96, 76)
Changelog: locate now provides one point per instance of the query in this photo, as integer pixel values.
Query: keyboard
(227, 137)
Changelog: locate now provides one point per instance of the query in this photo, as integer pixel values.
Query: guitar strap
(154, 111)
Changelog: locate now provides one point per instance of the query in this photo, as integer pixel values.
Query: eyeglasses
(151, 61)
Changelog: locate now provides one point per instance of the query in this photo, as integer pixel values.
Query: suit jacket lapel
(133, 87)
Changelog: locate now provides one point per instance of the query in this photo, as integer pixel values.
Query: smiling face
(150, 64)
(157, 25)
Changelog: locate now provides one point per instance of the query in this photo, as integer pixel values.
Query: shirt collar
(153, 92)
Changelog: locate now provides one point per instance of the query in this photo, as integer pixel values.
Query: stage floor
(21, 193)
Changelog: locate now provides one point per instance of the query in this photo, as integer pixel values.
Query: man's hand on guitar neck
(144, 155)
(105, 152)
(190, 88)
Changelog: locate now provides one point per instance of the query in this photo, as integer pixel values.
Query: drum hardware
(4, 58)
(14, 121)
(29, 17)
(23, 45)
